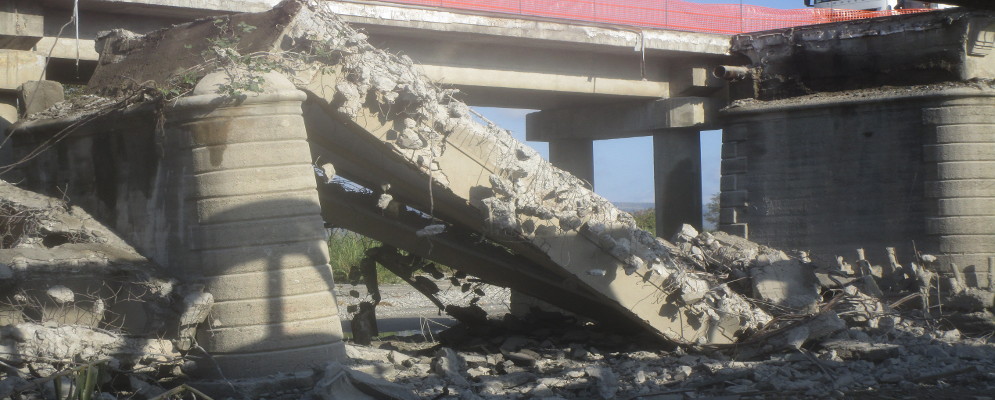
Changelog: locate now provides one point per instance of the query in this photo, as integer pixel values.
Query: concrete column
(677, 172)
(960, 185)
(252, 230)
(575, 156)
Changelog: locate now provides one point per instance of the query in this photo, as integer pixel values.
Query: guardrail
(663, 14)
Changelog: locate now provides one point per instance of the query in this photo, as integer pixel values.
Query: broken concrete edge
(863, 96)
(914, 49)
(457, 246)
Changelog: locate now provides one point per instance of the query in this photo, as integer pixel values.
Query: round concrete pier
(253, 233)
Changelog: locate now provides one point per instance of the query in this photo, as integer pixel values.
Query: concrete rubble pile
(704, 314)
(74, 293)
(554, 359)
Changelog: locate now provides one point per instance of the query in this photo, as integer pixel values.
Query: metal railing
(662, 14)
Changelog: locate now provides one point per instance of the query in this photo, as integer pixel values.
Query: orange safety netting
(663, 14)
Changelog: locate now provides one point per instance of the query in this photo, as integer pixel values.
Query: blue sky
(623, 168)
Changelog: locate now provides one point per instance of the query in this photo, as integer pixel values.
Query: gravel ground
(557, 360)
(402, 308)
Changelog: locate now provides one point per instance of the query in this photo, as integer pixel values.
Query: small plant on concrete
(245, 71)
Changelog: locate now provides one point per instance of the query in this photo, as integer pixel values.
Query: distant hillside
(632, 207)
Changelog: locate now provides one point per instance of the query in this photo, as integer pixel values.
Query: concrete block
(965, 207)
(734, 133)
(959, 152)
(37, 96)
(964, 170)
(974, 225)
(17, 67)
(786, 283)
(296, 308)
(981, 133)
(741, 230)
(729, 150)
(735, 198)
(22, 24)
(958, 115)
(730, 215)
(728, 183)
(734, 166)
(967, 244)
(960, 189)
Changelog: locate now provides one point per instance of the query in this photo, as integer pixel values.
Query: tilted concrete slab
(404, 131)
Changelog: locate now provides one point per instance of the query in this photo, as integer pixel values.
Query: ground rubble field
(848, 344)
(548, 358)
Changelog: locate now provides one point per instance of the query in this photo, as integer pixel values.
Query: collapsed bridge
(218, 186)
(203, 146)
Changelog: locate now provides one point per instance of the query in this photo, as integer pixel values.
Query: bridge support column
(251, 230)
(677, 173)
(575, 156)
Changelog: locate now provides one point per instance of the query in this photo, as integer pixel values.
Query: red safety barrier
(663, 14)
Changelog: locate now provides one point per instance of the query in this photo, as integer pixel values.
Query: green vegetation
(646, 220)
(712, 213)
(346, 249)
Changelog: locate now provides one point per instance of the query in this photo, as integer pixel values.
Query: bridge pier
(256, 238)
(575, 156)
(675, 126)
(223, 195)
(677, 180)
(894, 150)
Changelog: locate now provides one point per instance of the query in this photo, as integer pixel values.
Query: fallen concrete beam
(457, 247)
(430, 147)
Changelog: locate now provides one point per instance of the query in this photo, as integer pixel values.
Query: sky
(623, 168)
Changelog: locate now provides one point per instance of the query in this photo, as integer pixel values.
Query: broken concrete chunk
(431, 230)
(384, 201)
(848, 349)
(408, 139)
(786, 284)
(604, 378)
(37, 96)
(61, 294)
(448, 364)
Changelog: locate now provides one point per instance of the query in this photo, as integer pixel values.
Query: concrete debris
(110, 309)
(786, 283)
(449, 365)
(907, 358)
(38, 96)
(338, 382)
(30, 343)
(61, 294)
(406, 129)
(431, 230)
(326, 171)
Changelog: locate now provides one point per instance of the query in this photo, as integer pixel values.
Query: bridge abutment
(834, 150)
(219, 190)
